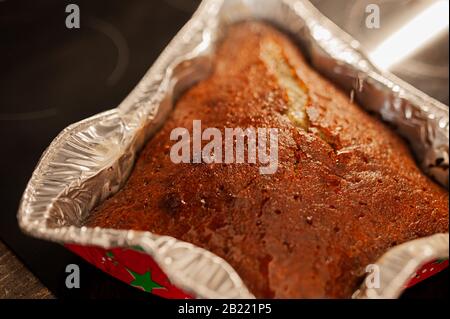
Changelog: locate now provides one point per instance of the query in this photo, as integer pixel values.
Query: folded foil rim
(91, 159)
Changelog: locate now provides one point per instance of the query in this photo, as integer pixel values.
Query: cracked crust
(346, 190)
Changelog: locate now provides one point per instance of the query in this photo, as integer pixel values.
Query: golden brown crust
(346, 190)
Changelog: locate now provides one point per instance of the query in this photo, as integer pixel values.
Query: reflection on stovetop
(426, 68)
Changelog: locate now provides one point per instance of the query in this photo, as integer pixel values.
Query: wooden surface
(16, 281)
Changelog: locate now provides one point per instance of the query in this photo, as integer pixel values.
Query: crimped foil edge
(402, 261)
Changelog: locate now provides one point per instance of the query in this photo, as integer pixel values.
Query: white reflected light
(415, 34)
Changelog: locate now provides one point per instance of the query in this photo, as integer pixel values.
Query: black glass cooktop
(52, 76)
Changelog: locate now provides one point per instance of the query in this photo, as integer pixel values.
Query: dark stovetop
(51, 77)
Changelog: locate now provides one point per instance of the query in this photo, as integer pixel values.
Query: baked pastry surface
(346, 189)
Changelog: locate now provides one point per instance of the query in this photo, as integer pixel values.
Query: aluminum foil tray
(92, 159)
